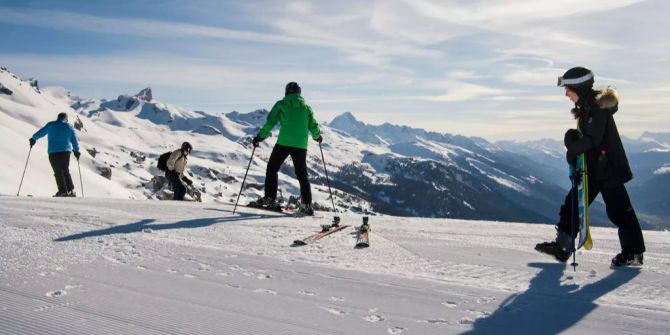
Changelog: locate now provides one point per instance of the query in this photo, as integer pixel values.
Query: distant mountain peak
(347, 122)
(145, 94)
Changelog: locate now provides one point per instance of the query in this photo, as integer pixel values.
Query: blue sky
(484, 68)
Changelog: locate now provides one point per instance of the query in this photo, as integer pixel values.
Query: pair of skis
(580, 194)
(362, 238)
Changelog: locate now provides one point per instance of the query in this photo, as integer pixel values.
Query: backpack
(162, 161)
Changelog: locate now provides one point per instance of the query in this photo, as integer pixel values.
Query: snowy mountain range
(386, 169)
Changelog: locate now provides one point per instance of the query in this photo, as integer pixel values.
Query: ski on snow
(325, 231)
(362, 235)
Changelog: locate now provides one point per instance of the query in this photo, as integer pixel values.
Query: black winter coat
(605, 156)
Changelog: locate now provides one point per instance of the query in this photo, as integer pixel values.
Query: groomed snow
(110, 266)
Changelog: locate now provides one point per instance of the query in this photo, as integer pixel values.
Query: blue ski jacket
(61, 136)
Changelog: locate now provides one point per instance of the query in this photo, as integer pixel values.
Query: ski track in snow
(92, 269)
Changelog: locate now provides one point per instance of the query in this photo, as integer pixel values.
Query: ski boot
(558, 248)
(326, 227)
(627, 260)
(365, 226)
(71, 194)
(60, 194)
(305, 210)
(266, 203)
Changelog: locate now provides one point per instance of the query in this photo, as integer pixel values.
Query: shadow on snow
(148, 224)
(548, 307)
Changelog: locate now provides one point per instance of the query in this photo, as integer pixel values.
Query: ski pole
(81, 182)
(332, 201)
(244, 179)
(24, 171)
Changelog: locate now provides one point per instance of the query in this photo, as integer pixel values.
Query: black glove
(320, 139)
(256, 141)
(77, 154)
(188, 182)
(571, 136)
(572, 159)
(32, 142)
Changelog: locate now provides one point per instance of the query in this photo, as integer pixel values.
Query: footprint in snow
(190, 276)
(479, 314)
(233, 286)
(374, 318)
(438, 321)
(336, 311)
(172, 270)
(395, 330)
(223, 274)
(263, 276)
(466, 321)
(56, 294)
(485, 300)
(141, 267)
(266, 291)
(449, 304)
(70, 287)
(308, 293)
(337, 299)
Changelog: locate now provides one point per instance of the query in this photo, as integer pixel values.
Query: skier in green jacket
(296, 120)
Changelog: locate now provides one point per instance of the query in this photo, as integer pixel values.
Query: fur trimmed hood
(607, 98)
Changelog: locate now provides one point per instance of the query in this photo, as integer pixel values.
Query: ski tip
(298, 243)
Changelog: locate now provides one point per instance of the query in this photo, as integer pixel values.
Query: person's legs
(56, 161)
(279, 154)
(178, 187)
(620, 211)
(299, 157)
(66, 172)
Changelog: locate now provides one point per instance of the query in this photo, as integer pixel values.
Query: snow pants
(178, 187)
(619, 210)
(277, 158)
(60, 163)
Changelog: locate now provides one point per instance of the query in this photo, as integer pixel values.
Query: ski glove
(320, 139)
(32, 142)
(77, 154)
(188, 182)
(256, 141)
(570, 158)
(571, 136)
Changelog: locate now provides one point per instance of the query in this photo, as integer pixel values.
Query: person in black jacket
(607, 167)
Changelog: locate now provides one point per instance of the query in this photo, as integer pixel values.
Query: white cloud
(461, 91)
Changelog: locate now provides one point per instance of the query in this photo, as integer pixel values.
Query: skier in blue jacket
(62, 141)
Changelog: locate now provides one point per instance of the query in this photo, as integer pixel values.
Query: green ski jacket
(296, 120)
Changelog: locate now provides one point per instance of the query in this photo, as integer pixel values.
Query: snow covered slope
(105, 266)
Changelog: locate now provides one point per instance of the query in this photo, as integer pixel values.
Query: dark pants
(178, 187)
(619, 210)
(277, 158)
(60, 163)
